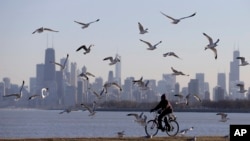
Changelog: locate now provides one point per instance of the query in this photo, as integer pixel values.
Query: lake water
(31, 123)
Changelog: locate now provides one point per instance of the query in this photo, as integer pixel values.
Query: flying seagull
(243, 61)
(224, 117)
(176, 21)
(17, 95)
(141, 28)
(41, 29)
(86, 49)
(72, 108)
(85, 25)
(98, 95)
(184, 131)
(138, 118)
(211, 44)
(242, 88)
(175, 72)
(171, 54)
(139, 81)
(86, 74)
(112, 60)
(44, 93)
(90, 109)
(61, 65)
(120, 134)
(109, 84)
(150, 46)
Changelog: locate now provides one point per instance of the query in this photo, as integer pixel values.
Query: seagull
(86, 49)
(17, 95)
(139, 119)
(211, 44)
(139, 82)
(41, 29)
(176, 21)
(120, 134)
(224, 117)
(91, 110)
(187, 98)
(242, 88)
(175, 72)
(112, 60)
(151, 47)
(85, 25)
(109, 84)
(243, 61)
(170, 54)
(86, 74)
(44, 93)
(72, 108)
(144, 85)
(184, 131)
(61, 65)
(142, 30)
(96, 94)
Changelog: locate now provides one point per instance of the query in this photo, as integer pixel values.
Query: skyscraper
(49, 68)
(118, 70)
(221, 81)
(234, 74)
(201, 80)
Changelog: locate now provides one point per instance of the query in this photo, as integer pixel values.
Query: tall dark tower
(49, 68)
(234, 74)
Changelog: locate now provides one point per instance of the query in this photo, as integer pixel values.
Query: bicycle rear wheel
(151, 128)
(174, 128)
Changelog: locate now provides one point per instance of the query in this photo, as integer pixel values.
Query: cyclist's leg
(160, 120)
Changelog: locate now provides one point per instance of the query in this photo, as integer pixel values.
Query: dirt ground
(203, 138)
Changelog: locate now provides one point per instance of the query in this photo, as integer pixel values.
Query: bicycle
(151, 127)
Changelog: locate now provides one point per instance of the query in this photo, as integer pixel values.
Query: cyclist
(166, 108)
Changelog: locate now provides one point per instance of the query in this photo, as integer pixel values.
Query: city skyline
(117, 32)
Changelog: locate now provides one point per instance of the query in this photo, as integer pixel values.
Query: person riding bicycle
(166, 108)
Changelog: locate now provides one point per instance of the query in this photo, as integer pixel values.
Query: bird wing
(80, 23)
(175, 71)
(209, 38)
(188, 16)
(197, 97)
(65, 60)
(179, 95)
(242, 59)
(149, 44)
(57, 64)
(115, 84)
(168, 16)
(48, 29)
(109, 58)
(215, 52)
(81, 47)
(140, 27)
(133, 114)
(41, 28)
(21, 87)
(34, 96)
(90, 74)
(16, 95)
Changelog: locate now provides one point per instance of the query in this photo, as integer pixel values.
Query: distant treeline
(204, 106)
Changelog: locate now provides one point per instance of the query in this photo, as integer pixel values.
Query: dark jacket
(164, 105)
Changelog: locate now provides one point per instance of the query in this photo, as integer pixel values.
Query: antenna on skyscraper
(52, 41)
(47, 40)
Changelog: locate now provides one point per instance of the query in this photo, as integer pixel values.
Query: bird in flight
(91, 110)
(176, 21)
(139, 81)
(171, 54)
(243, 61)
(242, 88)
(44, 93)
(85, 25)
(109, 84)
(86, 74)
(42, 29)
(61, 65)
(112, 60)
(175, 72)
(138, 118)
(141, 28)
(211, 45)
(224, 117)
(17, 95)
(150, 46)
(86, 49)
(184, 131)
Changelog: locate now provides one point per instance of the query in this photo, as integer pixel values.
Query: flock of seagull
(144, 85)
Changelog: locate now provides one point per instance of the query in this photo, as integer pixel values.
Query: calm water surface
(27, 123)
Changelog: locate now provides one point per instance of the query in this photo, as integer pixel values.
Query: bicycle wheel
(151, 128)
(174, 128)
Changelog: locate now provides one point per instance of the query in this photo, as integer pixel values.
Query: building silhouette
(221, 81)
(118, 78)
(234, 74)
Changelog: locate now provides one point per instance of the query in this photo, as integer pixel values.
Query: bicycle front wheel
(174, 128)
(151, 128)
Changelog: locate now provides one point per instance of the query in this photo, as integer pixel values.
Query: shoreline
(176, 138)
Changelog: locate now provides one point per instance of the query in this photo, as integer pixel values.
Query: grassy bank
(203, 138)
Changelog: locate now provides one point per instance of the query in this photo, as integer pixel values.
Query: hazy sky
(117, 32)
